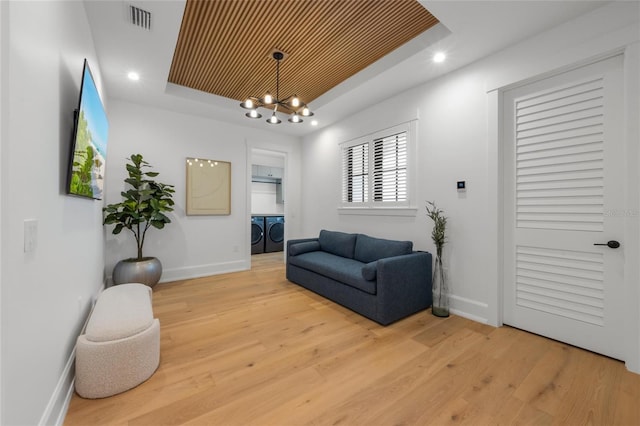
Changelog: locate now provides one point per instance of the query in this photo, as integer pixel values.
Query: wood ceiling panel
(224, 46)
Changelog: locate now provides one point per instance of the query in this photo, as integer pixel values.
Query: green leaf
(133, 170)
(110, 220)
(133, 182)
(136, 159)
(157, 224)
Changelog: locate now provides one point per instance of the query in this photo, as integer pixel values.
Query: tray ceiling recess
(224, 46)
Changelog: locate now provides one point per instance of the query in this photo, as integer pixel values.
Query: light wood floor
(250, 348)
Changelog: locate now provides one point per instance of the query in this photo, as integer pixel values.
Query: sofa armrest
(404, 285)
(288, 255)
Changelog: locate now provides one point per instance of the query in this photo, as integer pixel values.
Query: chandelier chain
(277, 80)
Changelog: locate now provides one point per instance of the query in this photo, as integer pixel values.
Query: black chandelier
(291, 105)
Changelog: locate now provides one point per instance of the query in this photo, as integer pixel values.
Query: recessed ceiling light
(134, 76)
(439, 57)
(314, 122)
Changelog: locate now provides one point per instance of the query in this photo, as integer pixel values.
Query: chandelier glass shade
(291, 105)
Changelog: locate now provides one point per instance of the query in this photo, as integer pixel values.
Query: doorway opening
(267, 203)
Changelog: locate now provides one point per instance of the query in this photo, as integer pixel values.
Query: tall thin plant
(440, 305)
(439, 226)
(144, 204)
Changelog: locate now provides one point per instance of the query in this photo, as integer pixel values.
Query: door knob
(611, 244)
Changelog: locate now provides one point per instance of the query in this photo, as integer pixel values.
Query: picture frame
(208, 187)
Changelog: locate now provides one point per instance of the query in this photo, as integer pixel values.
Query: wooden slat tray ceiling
(224, 46)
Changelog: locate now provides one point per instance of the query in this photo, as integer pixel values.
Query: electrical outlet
(236, 249)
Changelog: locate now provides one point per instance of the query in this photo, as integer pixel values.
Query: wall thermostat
(462, 185)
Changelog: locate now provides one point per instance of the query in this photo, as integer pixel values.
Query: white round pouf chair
(121, 345)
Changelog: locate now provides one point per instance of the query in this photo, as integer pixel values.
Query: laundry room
(267, 202)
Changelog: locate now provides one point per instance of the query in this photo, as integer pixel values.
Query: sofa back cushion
(369, 249)
(338, 243)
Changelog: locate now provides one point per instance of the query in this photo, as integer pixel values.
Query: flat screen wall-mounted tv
(89, 146)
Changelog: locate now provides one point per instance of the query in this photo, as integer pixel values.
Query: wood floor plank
(590, 398)
(250, 348)
(549, 380)
(627, 408)
(341, 383)
(402, 386)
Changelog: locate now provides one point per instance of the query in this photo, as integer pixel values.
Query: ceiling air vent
(140, 18)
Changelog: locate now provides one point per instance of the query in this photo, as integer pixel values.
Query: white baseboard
(188, 272)
(470, 309)
(58, 405)
(59, 402)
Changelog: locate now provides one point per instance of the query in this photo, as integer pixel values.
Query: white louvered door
(564, 192)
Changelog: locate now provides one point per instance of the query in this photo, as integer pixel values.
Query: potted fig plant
(440, 286)
(143, 206)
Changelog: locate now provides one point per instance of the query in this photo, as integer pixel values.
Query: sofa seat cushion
(369, 249)
(347, 271)
(338, 243)
(121, 311)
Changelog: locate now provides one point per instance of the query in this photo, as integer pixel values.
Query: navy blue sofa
(384, 280)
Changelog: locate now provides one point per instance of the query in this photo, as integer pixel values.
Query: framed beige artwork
(208, 187)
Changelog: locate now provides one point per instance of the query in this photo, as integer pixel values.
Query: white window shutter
(355, 174)
(390, 168)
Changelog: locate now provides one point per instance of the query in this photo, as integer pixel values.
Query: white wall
(46, 294)
(190, 246)
(458, 140)
(263, 195)
(4, 112)
(263, 199)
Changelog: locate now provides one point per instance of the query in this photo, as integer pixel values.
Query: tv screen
(89, 146)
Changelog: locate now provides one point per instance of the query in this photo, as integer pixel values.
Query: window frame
(371, 206)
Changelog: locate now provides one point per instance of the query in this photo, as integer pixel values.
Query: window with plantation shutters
(390, 168)
(355, 174)
(375, 170)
